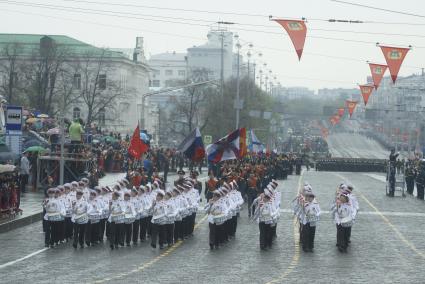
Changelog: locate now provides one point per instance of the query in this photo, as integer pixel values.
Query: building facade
(99, 85)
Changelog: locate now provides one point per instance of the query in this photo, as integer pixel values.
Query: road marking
(151, 262)
(388, 222)
(296, 256)
(377, 177)
(22, 258)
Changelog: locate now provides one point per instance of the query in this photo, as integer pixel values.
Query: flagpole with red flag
(137, 146)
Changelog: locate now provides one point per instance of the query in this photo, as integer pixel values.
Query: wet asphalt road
(347, 145)
(387, 247)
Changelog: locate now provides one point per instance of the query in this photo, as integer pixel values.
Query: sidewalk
(31, 212)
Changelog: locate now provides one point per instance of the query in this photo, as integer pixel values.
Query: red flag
(351, 105)
(341, 111)
(366, 91)
(378, 71)
(137, 146)
(394, 57)
(297, 31)
(242, 143)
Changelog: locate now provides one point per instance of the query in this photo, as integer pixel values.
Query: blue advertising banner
(13, 118)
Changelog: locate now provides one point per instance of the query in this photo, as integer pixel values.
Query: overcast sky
(190, 29)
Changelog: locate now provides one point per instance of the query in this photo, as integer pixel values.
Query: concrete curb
(20, 222)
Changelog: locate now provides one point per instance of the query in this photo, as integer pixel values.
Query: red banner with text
(351, 105)
(378, 71)
(297, 31)
(394, 57)
(366, 91)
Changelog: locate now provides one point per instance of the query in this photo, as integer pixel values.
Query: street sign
(13, 118)
(207, 139)
(14, 141)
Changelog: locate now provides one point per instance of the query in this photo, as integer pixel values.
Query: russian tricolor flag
(193, 146)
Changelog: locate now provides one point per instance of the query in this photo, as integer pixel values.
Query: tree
(188, 108)
(98, 90)
(42, 72)
(10, 67)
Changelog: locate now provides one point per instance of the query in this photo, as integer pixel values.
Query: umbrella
(109, 139)
(35, 149)
(42, 115)
(32, 120)
(55, 130)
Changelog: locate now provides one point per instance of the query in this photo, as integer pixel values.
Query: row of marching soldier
(123, 213)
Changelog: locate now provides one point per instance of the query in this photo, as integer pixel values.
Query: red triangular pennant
(297, 31)
(351, 105)
(378, 71)
(366, 91)
(341, 111)
(394, 57)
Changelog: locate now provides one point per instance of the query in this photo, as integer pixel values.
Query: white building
(167, 67)
(115, 80)
(208, 56)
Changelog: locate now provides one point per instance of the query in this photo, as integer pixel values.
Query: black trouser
(102, 225)
(342, 236)
(136, 225)
(191, 224)
(169, 233)
(185, 225)
(128, 232)
(214, 238)
(266, 236)
(23, 183)
(52, 232)
(307, 236)
(108, 230)
(251, 198)
(420, 191)
(143, 228)
(178, 231)
(79, 232)
(149, 226)
(68, 228)
(410, 184)
(116, 233)
(220, 233)
(234, 225)
(92, 232)
(158, 234)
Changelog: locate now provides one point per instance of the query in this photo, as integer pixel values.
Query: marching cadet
(252, 193)
(68, 198)
(55, 213)
(94, 213)
(159, 218)
(137, 203)
(343, 220)
(264, 214)
(216, 217)
(104, 201)
(181, 205)
(130, 216)
(196, 184)
(145, 209)
(184, 212)
(79, 218)
(116, 221)
(171, 212)
(308, 222)
(210, 186)
(193, 195)
(181, 178)
(410, 174)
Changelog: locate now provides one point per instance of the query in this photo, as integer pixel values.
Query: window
(182, 72)
(101, 117)
(157, 72)
(168, 72)
(155, 83)
(76, 112)
(77, 81)
(102, 81)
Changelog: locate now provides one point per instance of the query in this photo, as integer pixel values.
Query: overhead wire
(172, 19)
(184, 36)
